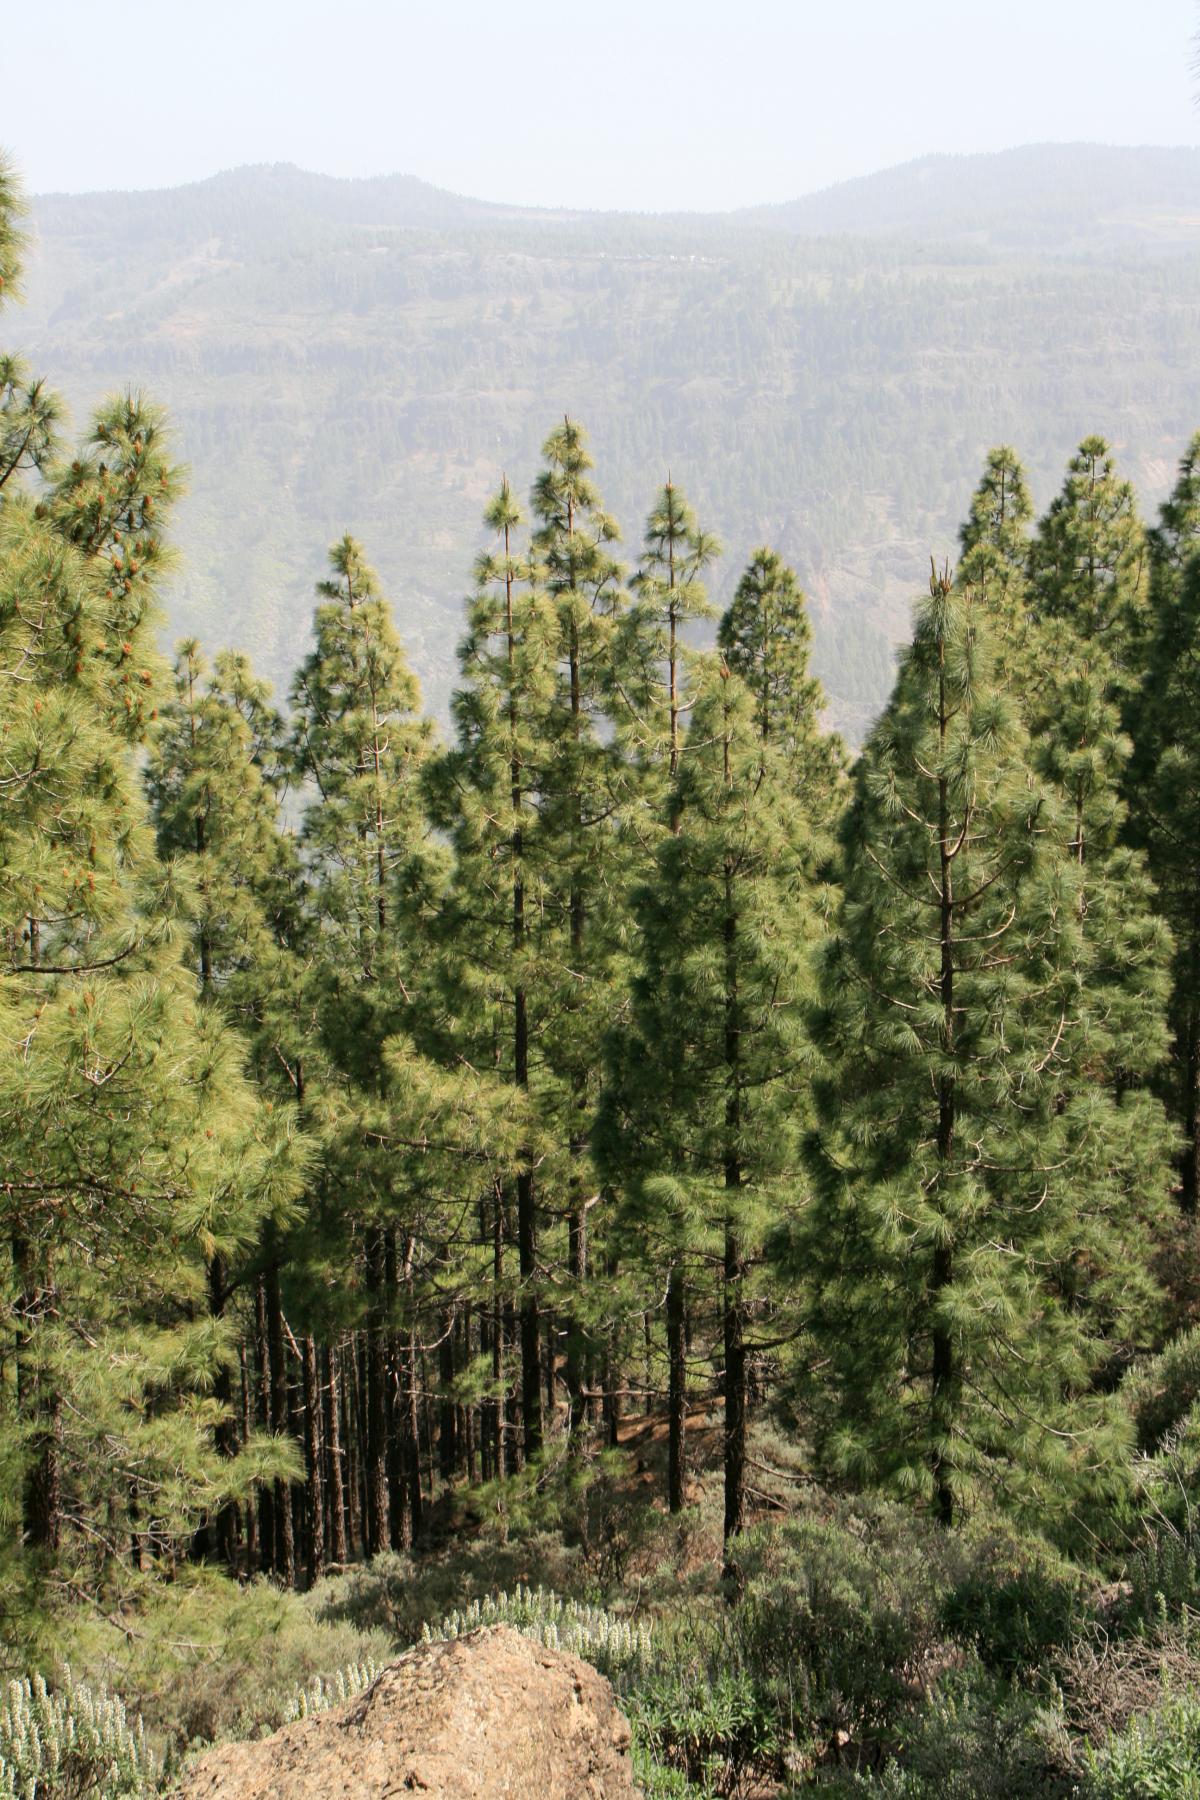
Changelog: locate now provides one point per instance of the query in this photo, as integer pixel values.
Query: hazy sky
(662, 103)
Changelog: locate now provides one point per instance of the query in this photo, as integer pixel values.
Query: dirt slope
(491, 1716)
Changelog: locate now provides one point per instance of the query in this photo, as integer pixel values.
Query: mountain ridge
(811, 213)
(328, 368)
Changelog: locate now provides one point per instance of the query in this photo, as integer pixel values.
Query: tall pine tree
(709, 1084)
(977, 1240)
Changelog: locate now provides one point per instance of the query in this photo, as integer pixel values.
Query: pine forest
(624, 1160)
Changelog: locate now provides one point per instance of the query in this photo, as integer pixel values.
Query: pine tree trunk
(399, 1527)
(550, 1338)
(285, 1532)
(251, 1509)
(468, 1435)
(266, 1493)
(312, 1460)
(733, 1302)
(378, 1524)
(577, 1269)
(943, 1370)
(514, 1407)
(225, 1435)
(735, 1385)
(497, 1404)
(354, 1416)
(447, 1422)
(338, 1547)
(676, 1390)
(40, 1407)
(531, 1374)
(412, 1437)
(612, 1373)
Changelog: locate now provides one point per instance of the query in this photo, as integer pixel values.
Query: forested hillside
(374, 353)
(614, 1138)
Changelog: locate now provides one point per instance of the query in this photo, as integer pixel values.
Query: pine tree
(583, 789)
(708, 1085)
(1088, 559)
(995, 548)
(1161, 788)
(133, 1137)
(215, 780)
(1086, 595)
(658, 676)
(487, 793)
(359, 743)
(669, 597)
(30, 413)
(111, 501)
(978, 1233)
(125, 1110)
(766, 638)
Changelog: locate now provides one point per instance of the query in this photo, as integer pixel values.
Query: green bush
(712, 1727)
(205, 1659)
(978, 1739)
(1164, 1581)
(72, 1742)
(1015, 1601)
(1160, 1392)
(1155, 1758)
(398, 1595)
(839, 1617)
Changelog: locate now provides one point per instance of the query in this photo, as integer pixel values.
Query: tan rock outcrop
(490, 1716)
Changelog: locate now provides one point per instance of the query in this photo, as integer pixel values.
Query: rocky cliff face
(491, 1716)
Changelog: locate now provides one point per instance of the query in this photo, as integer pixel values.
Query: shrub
(324, 1691)
(839, 1618)
(1160, 1392)
(714, 1730)
(1163, 1580)
(397, 1595)
(619, 1650)
(1015, 1601)
(71, 1743)
(204, 1660)
(976, 1740)
(1156, 1757)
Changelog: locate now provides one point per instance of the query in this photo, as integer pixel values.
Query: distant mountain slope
(370, 355)
(276, 196)
(1046, 197)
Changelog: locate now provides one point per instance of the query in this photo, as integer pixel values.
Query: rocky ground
(490, 1716)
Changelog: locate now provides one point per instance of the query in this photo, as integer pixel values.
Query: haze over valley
(825, 376)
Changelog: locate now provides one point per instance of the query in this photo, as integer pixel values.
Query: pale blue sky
(679, 103)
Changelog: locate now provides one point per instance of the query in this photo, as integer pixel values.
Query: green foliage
(1163, 1577)
(839, 1617)
(1015, 1602)
(1154, 1758)
(970, 1143)
(601, 1049)
(71, 1742)
(973, 1741)
(1161, 1390)
(712, 1727)
(204, 1659)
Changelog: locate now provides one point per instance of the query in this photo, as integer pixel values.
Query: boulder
(489, 1716)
